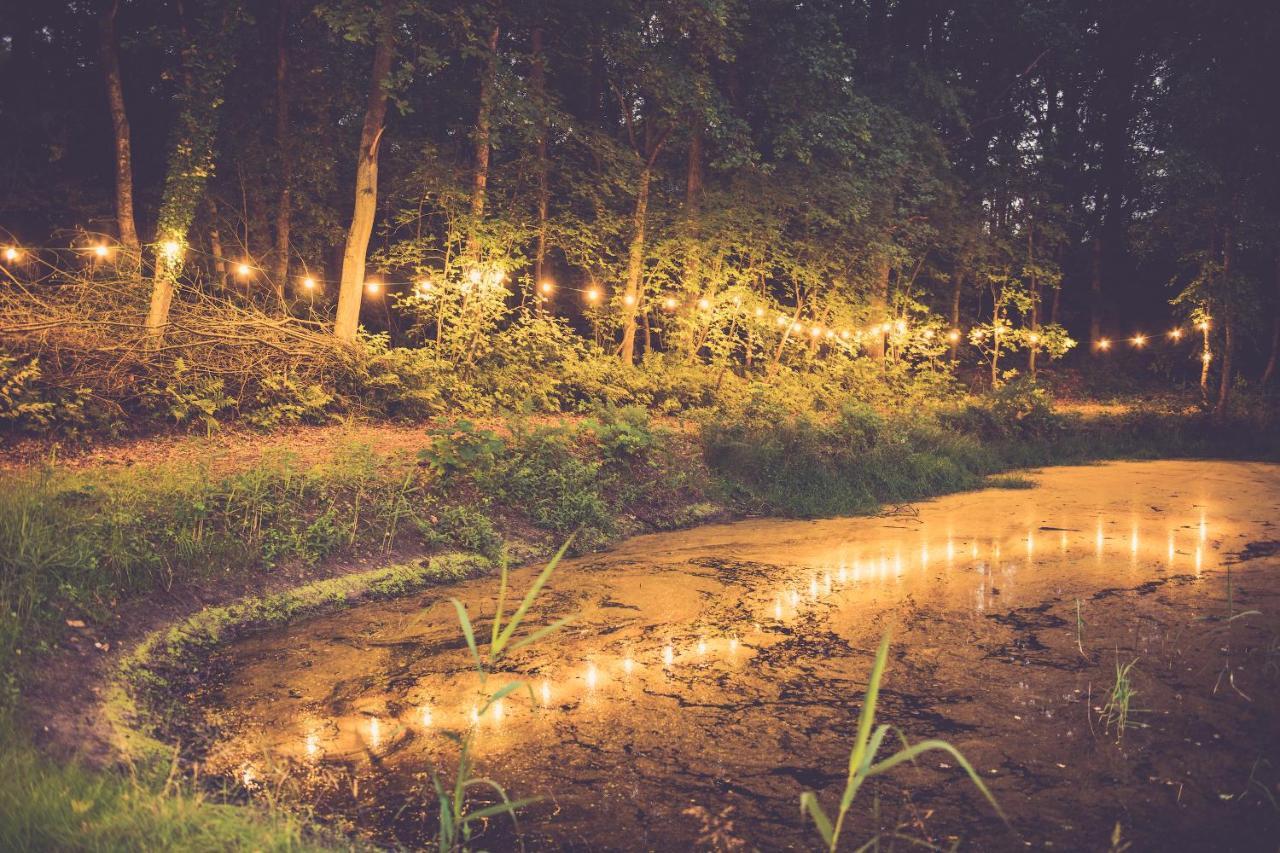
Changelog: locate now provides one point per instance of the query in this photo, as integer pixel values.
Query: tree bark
(484, 117)
(1095, 295)
(120, 126)
(1033, 350)
(1269, 371)
(351, 286)
(538, 78)
(635, 266)
(957, 287)
(693, 211)
(1228, 328)
(876, 344)
(284, 201)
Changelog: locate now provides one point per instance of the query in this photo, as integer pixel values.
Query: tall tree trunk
(957, 286)
(1270, 371)
(876, 344)
(215, 243)
(538, 78)
(1095, 294)
(484, 117)
(284, 151)
(693, 211)
(120, 126)
(635, 267)
(351, 285)
(191, 158)
(1228, 327)
(1034, 349)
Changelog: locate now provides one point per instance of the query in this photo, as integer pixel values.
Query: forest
(829, 377)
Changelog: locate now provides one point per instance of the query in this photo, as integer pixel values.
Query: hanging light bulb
(242, 270)
(1034, 337)
(309, 283)
(815, 331)
(373, 287)
(953, 335)
(782, 319)
(1104, 344)
(795, 327)
(628, 300)
(759, 312)
(844, 333)
(901, 326)
(1176, 334)
(928, 334)
(1206, 357)
(669, 303)
(704, 303)
(1203, 325)
(1139, 340)
(593, 295)
(11, 254)
(101, 250)
(172, 249)
(546, 286)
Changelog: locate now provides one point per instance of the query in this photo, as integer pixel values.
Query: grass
(1009, 481)
(51, 805)
(863, 764)
(1119, 708)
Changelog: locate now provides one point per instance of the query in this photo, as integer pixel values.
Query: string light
(101, 250)
(669, 303)
(11, 254)
(815, 331)
(844, 333)
(782, 319)
(901, 326)
(474, 275)
(628, 300)
(373, 287)
(1104, 344)
(1206, 357)
(795, 327)
(1176, 334)
(243, 270)
(759, 312)
(1139, 340)
(1034, 337)
(546, 286)
(171, 249)
(1203, 325)
(704, 303)
(928, 334)
(593, 295)
(309, 283)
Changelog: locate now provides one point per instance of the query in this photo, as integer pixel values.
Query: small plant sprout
(1119, 707)
(456, 816)
(1080, 630)
(863, 766)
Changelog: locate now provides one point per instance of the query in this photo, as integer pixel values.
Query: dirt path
(712, 675)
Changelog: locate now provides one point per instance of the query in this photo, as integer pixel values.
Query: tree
(125, 225)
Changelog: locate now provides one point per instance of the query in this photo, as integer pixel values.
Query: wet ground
(712, 675)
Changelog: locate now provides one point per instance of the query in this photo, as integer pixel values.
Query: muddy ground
(710, 676)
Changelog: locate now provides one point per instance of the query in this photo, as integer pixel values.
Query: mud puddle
(711, 676)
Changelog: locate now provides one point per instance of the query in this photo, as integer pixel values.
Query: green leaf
(809, 803)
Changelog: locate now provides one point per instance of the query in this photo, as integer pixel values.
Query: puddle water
(710, 676)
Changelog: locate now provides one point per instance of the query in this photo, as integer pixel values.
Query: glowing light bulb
(11, 254)
(373, 287)
(704, 303)
(669, 303)
(242, 270)
(668, 655)
(1207, 357)
(593, 295)
(782, 319)
(928, 334)
(844, 334)
(1203, 325)
(101, 251)
(953, 336)
(759, 312)
(628, 300)
(901, 326)
(546, 286)
(426, 716)
(1034, 338)
(474, 275)
(171, 249)
(1139, 340)
(309, 283)
(1176, 334)
(1104, 344)
(795, 327)
(815, 331)
(591, 676)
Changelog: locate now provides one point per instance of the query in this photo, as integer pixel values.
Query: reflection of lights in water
(702, 647)
(591, 676)
(1098, 539)
(842, 575)
(1031, 544)
(924, 554)
(426, 716)
(375, 733)
(546, 692)
(995, 550)
(733, 645)
(475, 715)
(1062, 541)
(1171, 551)
(813, 587)
(1204, 526)
(897, 564)
(973, 550)
(1199, 559)
(826, 583)
(795, 598)
(951, 550)
(1133, 542)
(668, 655)
(313, 744)
(628, 664)
(777, 608)
(498, 711)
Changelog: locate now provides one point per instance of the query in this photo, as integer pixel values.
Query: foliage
(863, 764)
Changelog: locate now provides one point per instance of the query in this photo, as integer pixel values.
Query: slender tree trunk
(876, 344)
(538, 78)
(635, 267)
(1228, 328)
(351, 285)
(1270, 371)
(284, 151)
(1095, 294)
(693, 211)
(484, 117)
(1035, 304)
(120, 127)
(215, 243)
(957, 287)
